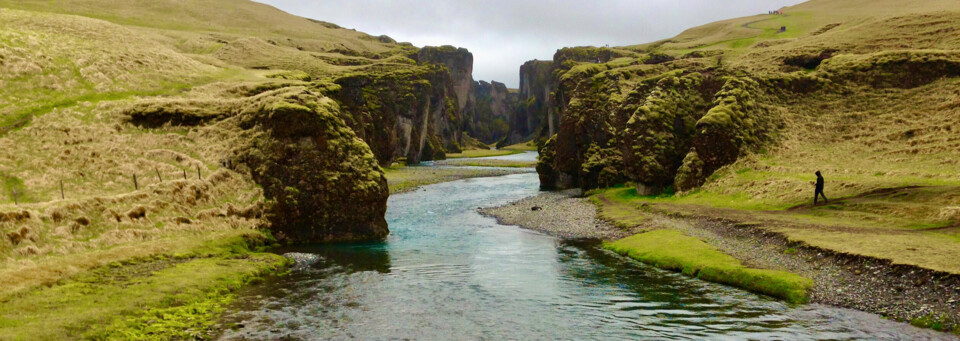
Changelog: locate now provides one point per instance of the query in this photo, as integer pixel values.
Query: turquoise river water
(448, 273)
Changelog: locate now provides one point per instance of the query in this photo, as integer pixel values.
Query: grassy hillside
(94, 196)
(731, 119)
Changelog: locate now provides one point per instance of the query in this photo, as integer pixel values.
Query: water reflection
(354, 257)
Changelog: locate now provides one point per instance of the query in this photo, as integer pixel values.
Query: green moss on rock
(735, 124)
(658, 133)
(322, 183)
(690, 175)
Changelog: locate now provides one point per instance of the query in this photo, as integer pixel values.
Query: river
(446, 272)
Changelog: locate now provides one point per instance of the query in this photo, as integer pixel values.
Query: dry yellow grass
(68, 70)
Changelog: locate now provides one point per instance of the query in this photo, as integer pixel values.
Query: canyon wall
(493, 108)
(534, 108)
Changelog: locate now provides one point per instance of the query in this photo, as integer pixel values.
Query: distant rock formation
(534, 110)
(493, 108)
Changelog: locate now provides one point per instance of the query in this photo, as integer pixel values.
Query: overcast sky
(503, 34)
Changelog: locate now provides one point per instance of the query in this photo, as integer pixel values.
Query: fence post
(135, 185)
(15, 201)
(158, 174)
(184, 174)
(198, 174)
(62, 197)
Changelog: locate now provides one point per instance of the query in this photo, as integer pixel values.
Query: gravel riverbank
(562, 214)
(905, 293)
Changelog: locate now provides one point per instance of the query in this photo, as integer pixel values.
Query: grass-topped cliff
(731, 120)
(148, 139)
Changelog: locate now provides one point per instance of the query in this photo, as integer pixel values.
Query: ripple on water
(448, 273)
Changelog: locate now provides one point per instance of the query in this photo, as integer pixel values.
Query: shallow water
(445, 272)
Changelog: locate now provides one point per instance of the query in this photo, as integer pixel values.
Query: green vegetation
(730, 120)
(913, 225)
(529, 146)
(672, 250)
(161, 296)
(620, 213)
(934, 322)
(140, 109)
(473, 153)
(407, 178)
(492, 163)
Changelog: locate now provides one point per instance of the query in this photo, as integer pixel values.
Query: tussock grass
(672, 250)
(48, 64)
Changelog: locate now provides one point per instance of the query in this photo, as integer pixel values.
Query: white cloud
(502, 34)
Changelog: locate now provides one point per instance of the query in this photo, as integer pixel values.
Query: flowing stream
(446, 272)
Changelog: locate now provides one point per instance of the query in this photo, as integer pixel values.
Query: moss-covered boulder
(322, 183)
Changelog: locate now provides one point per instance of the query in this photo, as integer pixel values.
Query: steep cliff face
(410, 113)
(485, 109)
(459, 62)
(321, 182)
(534, 109)
(493, 109)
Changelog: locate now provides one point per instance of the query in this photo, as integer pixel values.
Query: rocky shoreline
(904, 293)
(563, 214)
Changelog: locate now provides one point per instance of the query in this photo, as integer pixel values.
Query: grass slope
(71, 216)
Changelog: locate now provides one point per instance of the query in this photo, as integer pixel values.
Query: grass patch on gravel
(935, 322)
(407, 178)
(490, 163)
(672, 250)
(174, 296)
(522, 146)
(483, 153)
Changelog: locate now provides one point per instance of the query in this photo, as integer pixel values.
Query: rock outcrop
(534, 109)
(493, 109)
(409, 113)
(321, 182)
(673, 127)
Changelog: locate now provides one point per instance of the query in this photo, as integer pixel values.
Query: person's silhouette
(819, 191)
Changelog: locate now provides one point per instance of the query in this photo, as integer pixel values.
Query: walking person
(819, 190)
